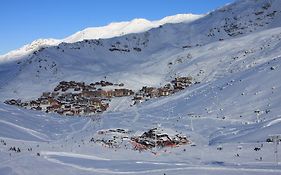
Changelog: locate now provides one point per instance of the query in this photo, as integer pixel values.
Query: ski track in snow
(36, 134)
(122, 164)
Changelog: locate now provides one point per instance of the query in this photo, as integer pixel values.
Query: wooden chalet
(164, 91)
(34, 103)
(122, 92)
(182, 82)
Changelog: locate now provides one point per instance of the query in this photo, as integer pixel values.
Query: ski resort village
(186, 94)
(81, 99)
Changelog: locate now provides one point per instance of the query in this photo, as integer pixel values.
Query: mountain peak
(122, 28)
(113, 29)
(29, 48)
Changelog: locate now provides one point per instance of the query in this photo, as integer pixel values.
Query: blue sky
(22, 21)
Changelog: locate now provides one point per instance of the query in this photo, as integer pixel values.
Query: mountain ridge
(111, 30)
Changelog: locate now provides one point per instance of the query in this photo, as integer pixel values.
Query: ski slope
(235, 54)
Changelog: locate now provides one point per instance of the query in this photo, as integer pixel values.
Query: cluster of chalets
(153, 138)
(75, 98)
(157, 138)
(78, 98)
(146, 93)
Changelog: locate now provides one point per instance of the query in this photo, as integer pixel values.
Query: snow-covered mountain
(109, 31)
(123, 28)
(234, 55)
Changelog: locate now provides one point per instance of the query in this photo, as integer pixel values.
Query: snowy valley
(225, 118)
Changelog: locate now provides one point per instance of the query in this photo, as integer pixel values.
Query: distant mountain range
(112, 30)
